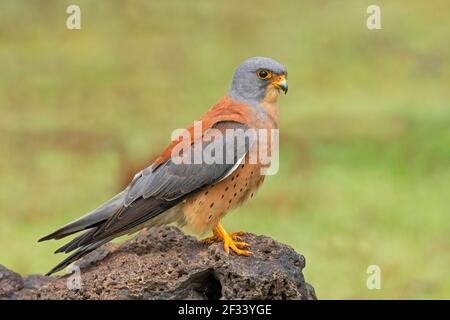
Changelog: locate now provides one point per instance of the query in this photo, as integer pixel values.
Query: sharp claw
(242, 244)
(243, 252)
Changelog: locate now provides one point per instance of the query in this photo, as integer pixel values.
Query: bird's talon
(241, 252)
(237, 235)
(209, 240)
(229, 241)
(241, 244)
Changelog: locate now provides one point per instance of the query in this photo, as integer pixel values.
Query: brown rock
(166, 264)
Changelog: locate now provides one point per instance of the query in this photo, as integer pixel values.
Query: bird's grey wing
(155, 190)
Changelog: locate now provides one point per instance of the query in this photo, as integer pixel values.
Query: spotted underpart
(204, 210)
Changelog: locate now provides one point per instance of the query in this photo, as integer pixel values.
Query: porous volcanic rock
(164, 263)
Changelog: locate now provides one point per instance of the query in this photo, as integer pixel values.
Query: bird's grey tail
(89, 220)
(122, 221)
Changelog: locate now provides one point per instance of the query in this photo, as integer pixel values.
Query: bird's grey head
(256, 78)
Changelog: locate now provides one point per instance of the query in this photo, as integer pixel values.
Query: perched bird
(196, 195)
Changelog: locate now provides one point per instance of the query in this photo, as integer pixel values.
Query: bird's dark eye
(264, 74)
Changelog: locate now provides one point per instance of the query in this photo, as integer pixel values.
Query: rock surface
(166, 264)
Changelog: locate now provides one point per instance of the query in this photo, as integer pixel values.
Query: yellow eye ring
(264, 74)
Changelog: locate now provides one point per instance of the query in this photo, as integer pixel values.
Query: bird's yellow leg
(234, 235)
(228, 240)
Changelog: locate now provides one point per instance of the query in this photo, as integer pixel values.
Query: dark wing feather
(154, 191)
(91, 219)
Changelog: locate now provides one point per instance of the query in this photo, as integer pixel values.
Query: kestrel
(190, 193)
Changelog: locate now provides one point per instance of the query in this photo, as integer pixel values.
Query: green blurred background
(365, 129)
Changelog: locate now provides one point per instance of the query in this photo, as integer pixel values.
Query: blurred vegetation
(365, 129)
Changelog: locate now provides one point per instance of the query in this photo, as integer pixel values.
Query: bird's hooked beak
(280, 82)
